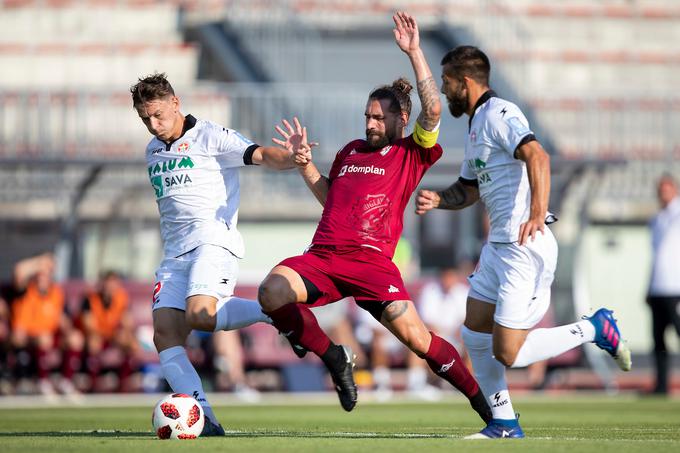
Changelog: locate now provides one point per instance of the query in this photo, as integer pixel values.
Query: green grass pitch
(552, 424)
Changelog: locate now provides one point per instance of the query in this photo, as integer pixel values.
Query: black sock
(334, 358)
(479, 404)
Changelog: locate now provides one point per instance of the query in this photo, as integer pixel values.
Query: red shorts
(339, 272)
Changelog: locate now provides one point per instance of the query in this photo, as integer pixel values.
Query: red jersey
(369, 191)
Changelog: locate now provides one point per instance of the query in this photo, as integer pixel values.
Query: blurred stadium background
(597, 79)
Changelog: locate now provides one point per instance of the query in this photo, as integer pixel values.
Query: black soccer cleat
(299, 351)
(344, 380)
(211, 429)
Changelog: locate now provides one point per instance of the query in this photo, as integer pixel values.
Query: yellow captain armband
(424, 138)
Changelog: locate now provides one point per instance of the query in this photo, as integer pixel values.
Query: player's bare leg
(209, 314)
(281, 296)
(402, 319)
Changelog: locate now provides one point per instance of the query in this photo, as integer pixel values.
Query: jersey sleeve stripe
(248, 155)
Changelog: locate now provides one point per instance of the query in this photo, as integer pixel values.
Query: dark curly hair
(397, 94)
(150, 88)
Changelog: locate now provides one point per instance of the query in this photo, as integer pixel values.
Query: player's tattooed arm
(407, 37)
(430, 104)
(457, 196)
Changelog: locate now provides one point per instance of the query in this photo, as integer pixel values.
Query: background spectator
(664, 287)
(109, 330)
(40, 325)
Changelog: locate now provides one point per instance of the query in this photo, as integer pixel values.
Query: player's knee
(164, 337)
(419, 343)
(274, 292)
(200, 315)
(505, 356)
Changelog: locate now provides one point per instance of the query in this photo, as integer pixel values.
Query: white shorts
(517, 279)
(209, 270)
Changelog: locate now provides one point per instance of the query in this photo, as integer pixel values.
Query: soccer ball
(178, 416)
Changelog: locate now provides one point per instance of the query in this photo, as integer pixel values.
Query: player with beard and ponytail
(364, 197)
(507, 168)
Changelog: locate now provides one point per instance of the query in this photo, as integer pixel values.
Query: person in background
(39, 324)
(108, 325)
(663, 296)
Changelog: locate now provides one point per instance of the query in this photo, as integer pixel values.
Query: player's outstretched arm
(302, 157)
(457, 196)
(538, 171)
(282, 157)
(408, 39)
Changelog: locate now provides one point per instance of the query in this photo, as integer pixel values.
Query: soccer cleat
(211, 429)
(299, 351)
(608, 337)
(499, 429)
(344, 380)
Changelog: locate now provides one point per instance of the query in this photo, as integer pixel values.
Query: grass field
(555, 424)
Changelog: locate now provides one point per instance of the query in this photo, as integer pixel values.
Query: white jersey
(497, 128)
(197, 187)
(665, 280)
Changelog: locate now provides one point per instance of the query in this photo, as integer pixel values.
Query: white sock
(543, 344)
(382, 378)
(490, 373)
(234, 313)
(183, 378)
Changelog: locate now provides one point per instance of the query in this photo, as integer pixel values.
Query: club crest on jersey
(183, 147)
(385, 150)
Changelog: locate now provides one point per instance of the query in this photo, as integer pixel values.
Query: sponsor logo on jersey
(169, 165)
(183, 147)
(369, 169)
(157, 184)
(175, 180)
(478, 166)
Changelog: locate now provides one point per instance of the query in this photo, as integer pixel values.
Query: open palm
(406, 32)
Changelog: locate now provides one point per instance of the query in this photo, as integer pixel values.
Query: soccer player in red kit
(364, 198)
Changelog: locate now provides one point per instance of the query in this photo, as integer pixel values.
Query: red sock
(299, 324)
(41, 363)
(445, 361)
(71, 363)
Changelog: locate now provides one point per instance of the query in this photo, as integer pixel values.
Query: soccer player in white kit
(193, 167)
(506, 167)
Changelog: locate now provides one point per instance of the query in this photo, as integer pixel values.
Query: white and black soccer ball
(178, 416)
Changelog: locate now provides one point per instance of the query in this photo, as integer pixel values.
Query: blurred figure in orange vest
(109, 330)
(40, 325)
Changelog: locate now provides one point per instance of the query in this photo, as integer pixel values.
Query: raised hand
(295, 141)
(406, 32)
